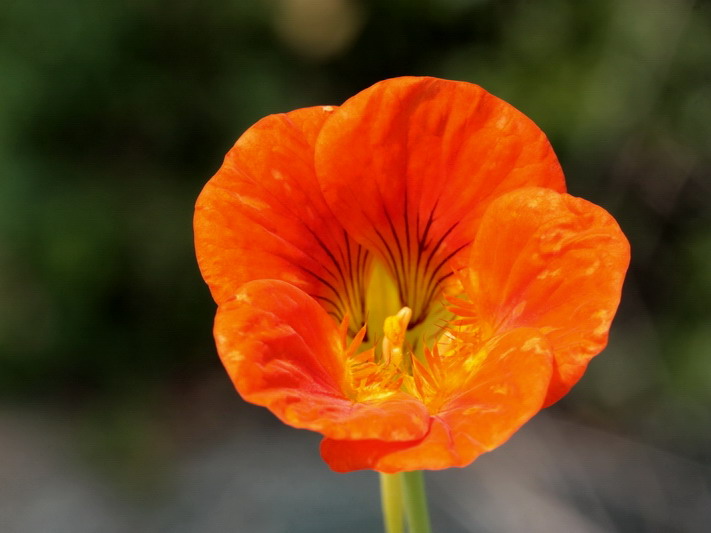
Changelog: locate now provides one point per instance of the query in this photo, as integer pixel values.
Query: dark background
(115, 414)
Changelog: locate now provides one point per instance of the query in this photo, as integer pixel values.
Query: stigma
(395, 328)
(372, 377)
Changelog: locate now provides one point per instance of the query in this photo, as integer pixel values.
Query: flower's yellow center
(427, 361)
(431, 373)
(373, 377)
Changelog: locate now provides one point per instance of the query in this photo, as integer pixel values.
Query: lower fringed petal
(502, 394)
(284, 352)
(437, 451)
(554, 262)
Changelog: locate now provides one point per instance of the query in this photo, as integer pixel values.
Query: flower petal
(409, 165)
(284, 352)
(263, 216)
(506, 391)
(553, 262)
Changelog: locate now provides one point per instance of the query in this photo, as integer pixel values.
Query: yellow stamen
(395, 328)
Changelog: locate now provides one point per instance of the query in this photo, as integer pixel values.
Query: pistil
(395, 328)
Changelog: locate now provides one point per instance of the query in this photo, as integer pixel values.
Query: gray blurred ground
(256, 475)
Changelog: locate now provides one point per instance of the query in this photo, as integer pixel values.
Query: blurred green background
(113, 115)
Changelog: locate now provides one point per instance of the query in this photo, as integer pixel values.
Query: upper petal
(554, 262)
(409, 165)
(494, 401)
(284, 352)
(263, 216)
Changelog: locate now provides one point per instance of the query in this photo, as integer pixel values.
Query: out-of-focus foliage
(113, 115)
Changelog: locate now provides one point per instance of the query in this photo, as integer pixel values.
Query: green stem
(391, 501)
(415, 499)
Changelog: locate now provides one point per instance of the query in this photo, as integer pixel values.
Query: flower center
(429, 373)
(372, 376)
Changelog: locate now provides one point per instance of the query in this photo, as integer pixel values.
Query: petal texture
(409, 165)
(489, 405)
(553, 262)
(284, 352)
(262, 216)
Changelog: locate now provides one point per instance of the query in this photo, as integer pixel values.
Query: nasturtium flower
(405, 273)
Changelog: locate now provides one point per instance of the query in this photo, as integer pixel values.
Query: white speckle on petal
(592, 268)
(604, 317)
(518, 310)
(500, 388)
(236, 356)
(533, 345)
(548, 274)
(533, 202)
(254, 203)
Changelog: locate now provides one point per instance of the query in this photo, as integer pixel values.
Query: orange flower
(435, 213)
